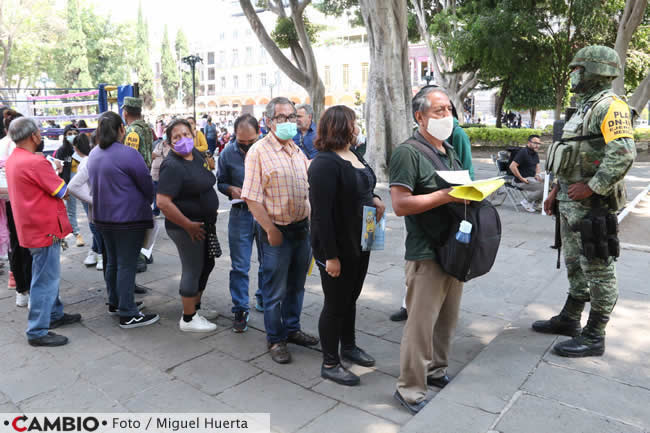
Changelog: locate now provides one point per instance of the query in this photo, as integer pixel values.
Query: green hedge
(500, 136)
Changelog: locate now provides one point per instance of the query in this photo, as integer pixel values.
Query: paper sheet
(478, 190)
(456, 177)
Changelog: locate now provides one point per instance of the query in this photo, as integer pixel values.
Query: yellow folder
(478, 190)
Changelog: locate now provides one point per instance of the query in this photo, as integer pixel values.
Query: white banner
(137, 422)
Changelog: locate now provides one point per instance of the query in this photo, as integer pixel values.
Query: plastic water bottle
(464, 232)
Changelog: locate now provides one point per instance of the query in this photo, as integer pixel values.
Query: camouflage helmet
(598, 61)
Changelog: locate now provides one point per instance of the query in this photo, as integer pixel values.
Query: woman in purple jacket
(122, 192)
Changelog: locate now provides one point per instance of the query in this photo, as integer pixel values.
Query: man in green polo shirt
(433, 296)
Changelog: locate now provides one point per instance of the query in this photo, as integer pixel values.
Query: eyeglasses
(281, 118)
(536, 142)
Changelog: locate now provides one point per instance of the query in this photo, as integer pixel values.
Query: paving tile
(531, 414)
(9, 407)
(35, 376)
(214, 372)
(78, 396)
(444, 416)
(290, 405)
(386, 353)
(348, 419)
(177, 397)
(122, 375)
(244, 346)
(499, 370)
(84, 347)
(374, 395)
(303, 370)
(597, 394)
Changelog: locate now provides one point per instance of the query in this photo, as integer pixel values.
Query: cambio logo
(55, 424)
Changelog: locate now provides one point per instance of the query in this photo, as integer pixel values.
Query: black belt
(241, 205)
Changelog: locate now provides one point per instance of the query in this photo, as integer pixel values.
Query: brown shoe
(280, 353)
(302, 339)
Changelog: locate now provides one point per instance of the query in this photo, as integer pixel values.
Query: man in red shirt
(36, 194)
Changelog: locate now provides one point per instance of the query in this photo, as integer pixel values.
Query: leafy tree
(75, 68)
(110, 48)
(182, 49)
(169, 71)
(303, 70)
(142, 62)
(497, 41)
(29, 32)
(531, 96)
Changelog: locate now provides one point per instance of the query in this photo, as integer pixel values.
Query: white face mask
(441, 128)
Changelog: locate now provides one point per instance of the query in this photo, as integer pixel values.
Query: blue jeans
(284, 270)
(212, 144)
(242, 232)
(156, 211)
(122, 252)
(71, 208)
(46, 305)
(98, 242)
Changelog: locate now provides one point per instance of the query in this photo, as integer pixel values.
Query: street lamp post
(192, 60)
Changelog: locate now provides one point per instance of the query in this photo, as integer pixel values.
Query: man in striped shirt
(276, 192)
(36, 194)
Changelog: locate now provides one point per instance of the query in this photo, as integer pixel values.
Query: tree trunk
(639, 98)
(533, 115)
(559, 103)
(458, 84)
(305, 76)
(389, 117)
(630, 20)
(505, 89)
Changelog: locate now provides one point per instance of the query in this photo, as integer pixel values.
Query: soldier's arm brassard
(613, 120)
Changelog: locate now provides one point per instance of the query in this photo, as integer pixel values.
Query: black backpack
(460, 260)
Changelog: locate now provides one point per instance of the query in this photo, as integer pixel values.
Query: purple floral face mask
(184, 146)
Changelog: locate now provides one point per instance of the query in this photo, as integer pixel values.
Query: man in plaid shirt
(276, 192)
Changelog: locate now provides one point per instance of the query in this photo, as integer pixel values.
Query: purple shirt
(121, 187)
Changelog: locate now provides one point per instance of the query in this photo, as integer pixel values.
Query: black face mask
(244, 147)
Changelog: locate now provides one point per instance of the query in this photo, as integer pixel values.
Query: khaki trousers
(433, 302)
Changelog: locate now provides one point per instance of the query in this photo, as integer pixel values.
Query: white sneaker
(91, 259)
(209, 314)
(527, 206)
(197, 324)
(22, 300)
(100, 263)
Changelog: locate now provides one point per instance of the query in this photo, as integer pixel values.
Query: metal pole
(194, 90)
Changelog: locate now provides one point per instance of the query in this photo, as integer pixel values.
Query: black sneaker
(50, 339)
(399, 316)
(113, 310)
(140, 290)
(240, 324)
(66, 319)
(127, 322)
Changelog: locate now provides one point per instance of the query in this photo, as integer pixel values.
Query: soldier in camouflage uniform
(592, 179)
(140, 137)
(138, 133)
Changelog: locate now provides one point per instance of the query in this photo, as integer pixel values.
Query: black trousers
(337, 319)
(20, 259)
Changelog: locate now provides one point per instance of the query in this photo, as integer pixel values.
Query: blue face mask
(286, 130)
(70, 138)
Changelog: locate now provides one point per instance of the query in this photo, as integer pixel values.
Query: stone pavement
(505, 379)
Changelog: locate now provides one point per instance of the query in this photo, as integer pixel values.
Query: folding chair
(512, 191)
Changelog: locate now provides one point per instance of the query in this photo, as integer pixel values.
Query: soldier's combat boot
(563, 323)
(590, 343)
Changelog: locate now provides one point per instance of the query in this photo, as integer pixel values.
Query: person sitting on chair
(526, 169)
